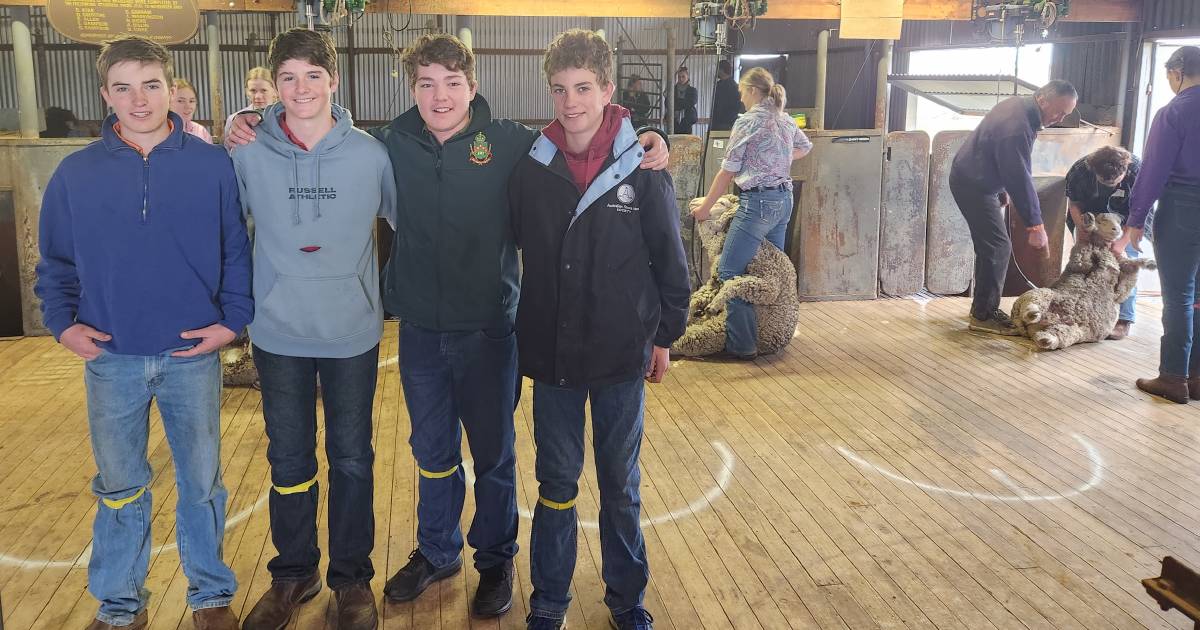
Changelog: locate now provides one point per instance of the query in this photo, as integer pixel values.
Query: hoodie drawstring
(295, 190)
(317, 212)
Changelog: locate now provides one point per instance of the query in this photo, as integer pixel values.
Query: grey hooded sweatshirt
(316, 278)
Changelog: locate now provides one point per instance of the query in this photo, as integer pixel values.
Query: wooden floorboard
(889, 469)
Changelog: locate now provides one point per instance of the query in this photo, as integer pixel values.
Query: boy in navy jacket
(145, 273)
(604, 295)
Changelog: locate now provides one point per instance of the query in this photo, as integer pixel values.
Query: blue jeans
(558, 429)
(759, 215)
(1177, 250)
(289, 395)
(1129, 307)
(454, 381)
(188, 393)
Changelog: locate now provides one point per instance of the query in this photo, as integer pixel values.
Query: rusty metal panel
(835, 231)
(903, 212)
(949, 257)
(1040, 267)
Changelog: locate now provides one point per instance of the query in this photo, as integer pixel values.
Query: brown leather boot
(215, 619)
(139, 623)
(1120, 331)
(1173, 388)
(1193, 384)
(356, 607)
(276, 608)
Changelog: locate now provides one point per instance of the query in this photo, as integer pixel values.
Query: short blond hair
(182, 84)
(579, 48)
(259, 73)
(442, 49)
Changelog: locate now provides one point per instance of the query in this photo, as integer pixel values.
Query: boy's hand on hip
(657, 154)
(81, 339)
(211, 338)
(660, 362)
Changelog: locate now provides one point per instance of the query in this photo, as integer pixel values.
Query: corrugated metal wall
(512, 81)
(847, 90)
(1094, 68)
(509, 66)
(1170, 15)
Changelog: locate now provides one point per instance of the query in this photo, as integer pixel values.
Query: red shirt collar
(288, 132)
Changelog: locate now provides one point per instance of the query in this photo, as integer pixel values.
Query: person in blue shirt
(144, 274)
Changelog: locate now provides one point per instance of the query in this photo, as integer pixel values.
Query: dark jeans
(289, 394)
(558, 430)
(454, 381)
(989, 235)
(1177, 250)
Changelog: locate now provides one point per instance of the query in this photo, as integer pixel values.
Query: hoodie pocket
(324, 309)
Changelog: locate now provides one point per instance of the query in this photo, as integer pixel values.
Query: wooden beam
(1081, 10)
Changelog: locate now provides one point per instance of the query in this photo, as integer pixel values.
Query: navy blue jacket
(605, 275)
(996, 156)
(144, 249)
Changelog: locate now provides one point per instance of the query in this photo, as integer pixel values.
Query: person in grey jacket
(314, 186)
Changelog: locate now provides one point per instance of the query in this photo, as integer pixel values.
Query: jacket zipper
(145, 186)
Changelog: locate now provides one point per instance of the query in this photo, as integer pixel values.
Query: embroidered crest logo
(625, 193)
(481, 150)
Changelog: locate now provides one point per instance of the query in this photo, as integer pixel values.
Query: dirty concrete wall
(26, 167)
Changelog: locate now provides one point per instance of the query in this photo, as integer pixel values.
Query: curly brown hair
(446, 50)
(133, 48)
(579, 48)
(1108, 163)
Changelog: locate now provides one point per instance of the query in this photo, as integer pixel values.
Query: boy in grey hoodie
(310, 186)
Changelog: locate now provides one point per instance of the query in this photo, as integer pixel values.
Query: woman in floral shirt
(762, 145)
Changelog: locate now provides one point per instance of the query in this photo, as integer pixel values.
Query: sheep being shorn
(769, 284)
(1082, 305)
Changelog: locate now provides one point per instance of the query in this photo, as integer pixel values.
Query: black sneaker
(494, 595)
(998, 323)
(636, 618)
(410, 581)
(544, 623)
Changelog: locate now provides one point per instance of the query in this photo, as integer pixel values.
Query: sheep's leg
(746, 288)
(1058, 336)
(701, 338)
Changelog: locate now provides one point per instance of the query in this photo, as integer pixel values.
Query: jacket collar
(543, 150)
(113, 142)
(410, 122)
(1033, 112)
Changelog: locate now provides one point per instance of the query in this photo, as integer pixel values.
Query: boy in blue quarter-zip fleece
(145, 273)
(314, 186)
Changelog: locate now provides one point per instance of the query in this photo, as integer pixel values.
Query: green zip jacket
(454, 260)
